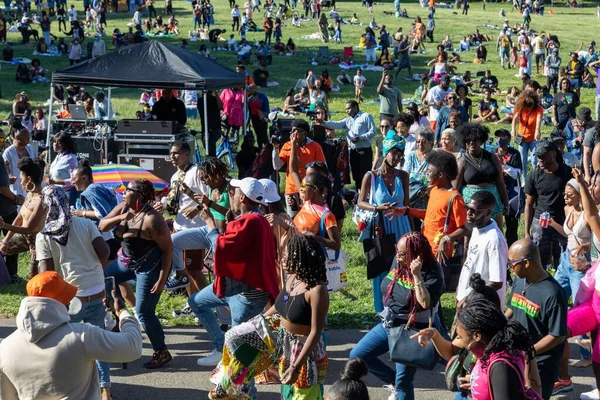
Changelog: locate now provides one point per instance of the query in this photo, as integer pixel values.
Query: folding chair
(348, 53)
(323, 55)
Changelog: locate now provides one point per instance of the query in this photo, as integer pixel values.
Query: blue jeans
(569, 279)
(377, 296)
(120, 272)
(197, 22)
(374, 344)
(242, 309)
(145, 301)
(550, 243)
(525, 148)
(191, 239)
(93, 313)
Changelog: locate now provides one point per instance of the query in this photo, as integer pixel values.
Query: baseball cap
(584, 113)
(251, 188)
(502, 133)
(271, 194)
(51, 285)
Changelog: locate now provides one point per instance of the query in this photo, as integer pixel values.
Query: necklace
(526, 287)
(295, 284)
(477, 159)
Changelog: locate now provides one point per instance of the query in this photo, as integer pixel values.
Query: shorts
(540, 58)
(576, 83)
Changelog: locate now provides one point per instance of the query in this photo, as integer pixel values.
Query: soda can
(545, 219)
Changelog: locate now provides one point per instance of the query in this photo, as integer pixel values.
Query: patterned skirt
(254, 346)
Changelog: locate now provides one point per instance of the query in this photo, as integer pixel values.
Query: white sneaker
(392, 389)
(593, 395)
(210, 360)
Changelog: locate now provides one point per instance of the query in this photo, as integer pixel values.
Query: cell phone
(109, 285)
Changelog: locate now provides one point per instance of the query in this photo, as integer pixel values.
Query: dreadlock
(307, 259)
(212, 166)
(485, 317)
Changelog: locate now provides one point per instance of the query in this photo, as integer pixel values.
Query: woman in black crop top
(290, 332)
(479, 169)
(147, 244)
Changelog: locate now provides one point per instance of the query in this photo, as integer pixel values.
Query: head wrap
(392, 140)
(58, 219)
(574, 184)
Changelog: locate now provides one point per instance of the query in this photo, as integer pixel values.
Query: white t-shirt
(193, 181)
(77, 261)
(539, 45)
(434, 95)
(487, 255)
(359, 81)
(72, 14)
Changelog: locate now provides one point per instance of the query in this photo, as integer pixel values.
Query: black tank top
(480, 173)
(137, 247)
(293, 308)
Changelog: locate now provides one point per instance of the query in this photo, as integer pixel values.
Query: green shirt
(389, 100)
(223, 201)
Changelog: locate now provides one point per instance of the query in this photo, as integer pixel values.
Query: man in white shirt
(436, 99)
(244, 52)
(186, 213)
(74, 248)
(488, 251)
(72, 15)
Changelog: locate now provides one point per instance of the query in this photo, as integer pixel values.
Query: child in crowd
(523, 61)
(359, 83)
(354, 20)
(232, 44)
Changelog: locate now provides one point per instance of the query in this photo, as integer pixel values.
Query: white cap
(251, 188)
(271, 195)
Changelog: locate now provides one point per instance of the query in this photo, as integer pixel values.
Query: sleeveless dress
(398, 226)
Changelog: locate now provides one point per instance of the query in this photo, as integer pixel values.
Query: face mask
(503, 142)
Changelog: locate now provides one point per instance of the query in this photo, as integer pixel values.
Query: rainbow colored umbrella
(118, 176)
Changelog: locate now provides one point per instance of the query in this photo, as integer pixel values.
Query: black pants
(235, 25)
(361, 162)
(260, 129)
(512, 227)
(430, 36)
(151, 11)
(213, 138)
(12, 262)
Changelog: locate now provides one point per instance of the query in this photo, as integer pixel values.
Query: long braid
(212, 166)
(485, 317)
(307, 259)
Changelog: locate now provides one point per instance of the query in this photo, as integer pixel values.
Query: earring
(27, 187)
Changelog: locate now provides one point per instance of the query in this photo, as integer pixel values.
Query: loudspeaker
(97, 151)
(141, 126)
(157, 164)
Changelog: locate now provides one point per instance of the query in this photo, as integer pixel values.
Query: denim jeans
(120, 272)
(145, 301)
(191, 239)
(375, 344)
(242, 309)
(377, 296)
(93, 313)
(525, 149)
(549, 241)
(569, 279)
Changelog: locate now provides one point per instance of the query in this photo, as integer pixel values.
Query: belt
(89, 299)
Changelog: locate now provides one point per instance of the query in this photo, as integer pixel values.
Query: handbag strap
(448, 212)
(322, 233)
(511, 364)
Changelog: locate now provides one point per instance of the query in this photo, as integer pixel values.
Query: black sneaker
(178, 282)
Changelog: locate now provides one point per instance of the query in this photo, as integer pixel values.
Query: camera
(312, 115)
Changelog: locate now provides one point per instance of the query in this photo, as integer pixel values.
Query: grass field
(353, 307)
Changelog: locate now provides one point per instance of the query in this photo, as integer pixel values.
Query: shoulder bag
(379, 249)
(452, 265)
(407, 351)
(335, 262)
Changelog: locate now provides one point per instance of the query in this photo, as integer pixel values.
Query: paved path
(183, 379)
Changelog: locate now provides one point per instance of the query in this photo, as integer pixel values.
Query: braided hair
(486, 318)
(212, 166)
(145, 188)
(307, 259)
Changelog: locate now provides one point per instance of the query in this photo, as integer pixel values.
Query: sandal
(159, 358)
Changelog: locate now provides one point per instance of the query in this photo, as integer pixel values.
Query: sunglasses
(513, 263)
(468, 141)
(385, 126)
(132, 190)
(307, 185)
(471, 210)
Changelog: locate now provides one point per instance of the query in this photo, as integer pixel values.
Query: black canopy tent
(150, 65)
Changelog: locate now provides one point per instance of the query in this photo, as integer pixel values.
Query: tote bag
(335, 262)
(379, 250)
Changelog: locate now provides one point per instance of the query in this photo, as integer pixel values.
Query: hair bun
(84, 162)
(354, 369)
(476, 283)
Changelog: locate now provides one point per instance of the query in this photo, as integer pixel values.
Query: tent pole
(49, 129)
(245, 110)
(206, 139)
(108, 109)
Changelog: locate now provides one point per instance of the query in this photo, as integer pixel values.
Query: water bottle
(78, 205)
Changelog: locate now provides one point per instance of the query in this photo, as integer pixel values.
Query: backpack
(504, 41)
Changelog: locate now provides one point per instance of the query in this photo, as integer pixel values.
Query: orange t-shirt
(527, 121)
(308, 153)
(437, 208)
(308, 219)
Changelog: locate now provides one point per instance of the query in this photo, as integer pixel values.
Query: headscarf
(58, 219)
(574, 184)
(392, 140)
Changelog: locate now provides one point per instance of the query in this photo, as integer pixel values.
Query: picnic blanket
(17, 61)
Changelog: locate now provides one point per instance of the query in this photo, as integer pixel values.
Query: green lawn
(350, 308)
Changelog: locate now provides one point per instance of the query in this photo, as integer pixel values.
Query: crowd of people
(437, 197)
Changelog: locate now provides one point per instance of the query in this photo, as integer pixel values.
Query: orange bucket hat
(50, 284)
